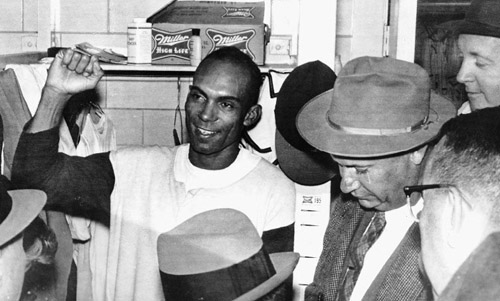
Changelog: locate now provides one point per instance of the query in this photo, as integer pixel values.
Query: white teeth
(205, 132)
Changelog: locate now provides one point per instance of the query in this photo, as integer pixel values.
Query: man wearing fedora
(143, 191)
(479, 44)
(375, 123)
(18, 209)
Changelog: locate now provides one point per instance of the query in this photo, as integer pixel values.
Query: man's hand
(72, 72)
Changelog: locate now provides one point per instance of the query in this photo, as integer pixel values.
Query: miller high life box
(221, 24)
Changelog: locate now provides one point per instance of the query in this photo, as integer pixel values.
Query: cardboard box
(221, 24)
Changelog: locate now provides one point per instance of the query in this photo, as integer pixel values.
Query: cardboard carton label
(239, 40)
(170, 44)
(238, 13)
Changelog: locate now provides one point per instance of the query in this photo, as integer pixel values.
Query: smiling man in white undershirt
(376, 124)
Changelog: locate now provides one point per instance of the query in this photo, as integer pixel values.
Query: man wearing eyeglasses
(460, 222)
(375, 123)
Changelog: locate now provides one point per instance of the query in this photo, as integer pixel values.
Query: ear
(253, 116)
(454, 199)
(459, 207)
(417, 156)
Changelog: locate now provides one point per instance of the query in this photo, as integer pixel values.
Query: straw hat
(218, 255)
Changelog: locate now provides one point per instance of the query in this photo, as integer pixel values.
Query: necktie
(358, 254)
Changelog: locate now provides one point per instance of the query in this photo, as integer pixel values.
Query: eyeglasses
(418, 189)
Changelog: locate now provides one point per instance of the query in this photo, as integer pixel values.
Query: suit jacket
(400, 278)
(478, 278)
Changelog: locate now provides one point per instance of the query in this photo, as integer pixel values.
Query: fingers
(94, 68)
(78, 62)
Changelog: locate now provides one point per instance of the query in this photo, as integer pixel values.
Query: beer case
(221, 24)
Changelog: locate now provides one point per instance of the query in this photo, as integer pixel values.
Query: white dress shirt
(398, 221)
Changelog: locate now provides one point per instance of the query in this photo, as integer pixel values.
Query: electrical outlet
(28, 43)
(280, 44)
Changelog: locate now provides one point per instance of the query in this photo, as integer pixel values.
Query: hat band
(380, 132)
(220, 285)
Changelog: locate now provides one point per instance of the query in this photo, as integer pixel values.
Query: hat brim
(313, 126)
(477, 28)
(305, 168)
(26, 205)
(284, 264)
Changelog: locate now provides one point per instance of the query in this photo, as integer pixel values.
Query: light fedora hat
(301, 162)
(379, 106)
(219, 255)
(18, 208)
(482, 18)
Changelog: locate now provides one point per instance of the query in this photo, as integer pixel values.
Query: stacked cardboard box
(221, 24)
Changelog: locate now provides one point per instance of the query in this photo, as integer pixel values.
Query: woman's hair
(40, 245)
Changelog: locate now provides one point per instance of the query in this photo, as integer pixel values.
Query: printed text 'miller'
(221, 40)
(224, 39)
(170, 40)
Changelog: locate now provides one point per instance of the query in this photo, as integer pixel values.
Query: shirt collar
(402, 214)
(194, 177)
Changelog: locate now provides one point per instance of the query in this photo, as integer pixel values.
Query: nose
(208, 112)
(464, 75)
(349, 181)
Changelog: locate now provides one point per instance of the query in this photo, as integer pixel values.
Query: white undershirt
(398, 221)
(464, 109)
(196, 178)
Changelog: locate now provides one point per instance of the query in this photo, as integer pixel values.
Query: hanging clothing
(91, 245)
(15, 114)
(262, 135)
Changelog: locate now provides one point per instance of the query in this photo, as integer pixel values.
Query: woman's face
(12, 268)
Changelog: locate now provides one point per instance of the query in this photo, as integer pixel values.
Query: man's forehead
(353, 161)
(345, 161)
(478, 44)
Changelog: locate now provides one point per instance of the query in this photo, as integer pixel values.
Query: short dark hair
(467, 154)
(237, 57)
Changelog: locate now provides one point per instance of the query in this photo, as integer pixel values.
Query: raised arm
(74, 185)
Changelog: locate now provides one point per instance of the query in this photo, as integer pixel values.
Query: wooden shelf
(149, 68)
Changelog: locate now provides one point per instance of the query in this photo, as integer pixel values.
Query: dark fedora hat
(218, 255)
(379, 106)
(301, 162)
(18, 208)
(482, 18)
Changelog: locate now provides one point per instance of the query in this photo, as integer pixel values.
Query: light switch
(28, 43)
(280, 44)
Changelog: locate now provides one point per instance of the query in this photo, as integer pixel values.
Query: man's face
(480, 70)
(12, 265)
(378, 183)
(216, 108)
